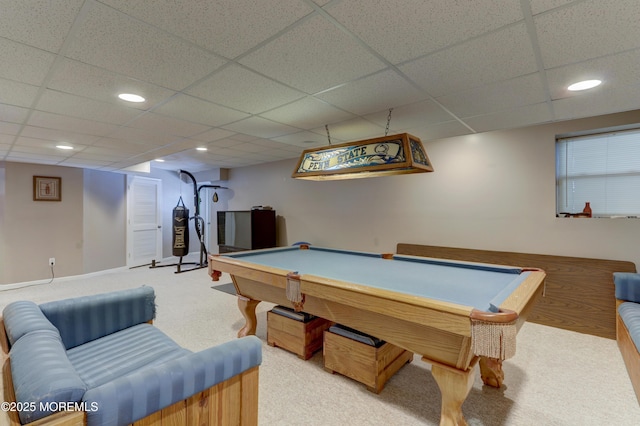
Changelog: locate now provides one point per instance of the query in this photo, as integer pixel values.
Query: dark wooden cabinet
(246, 230)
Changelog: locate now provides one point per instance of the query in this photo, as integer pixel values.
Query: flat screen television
(234, 229)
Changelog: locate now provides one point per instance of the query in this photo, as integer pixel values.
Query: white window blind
(602, 169)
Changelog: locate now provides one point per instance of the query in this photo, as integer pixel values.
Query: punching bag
(180, 229)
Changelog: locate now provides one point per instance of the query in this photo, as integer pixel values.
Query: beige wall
(492, 191)
(34, 231)
(104, 225)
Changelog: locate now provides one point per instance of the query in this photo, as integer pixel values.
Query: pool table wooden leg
(454, 386)
(248, 309)
(491, 371)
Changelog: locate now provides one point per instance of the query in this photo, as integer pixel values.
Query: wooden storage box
(297, 336)
(364, 363)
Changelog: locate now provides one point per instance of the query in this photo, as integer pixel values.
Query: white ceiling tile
(61, 122)
(143, 136)
(198, 111)
(23, 157)
(525, 90)
(354, 129)
(213, 135)
(18, 94)
(405, 31)
(288, 66)
(13, 114)
(598, 101)
(260, 127)
(35, 146)
(243, 138)
(182, 145)
(225, 143)
(161, 124)
(587, 30)
(58, 135)
(539, 6)
(269, 143)
(23, 141)
(76, 106)
(9, 128)
(97, 153)
(283, 153)
(88, 81)
(307, 113)
(109, 39)
(381, 91)
(27, 64)
(511, 118)
(313, 56)
(251, 147)
(84, 163)
(239, 88)
(6, 139)
(40, 23)
(409, 116)
(614, 70)
(497, 56)
(119, 147)
(306, 140)
(438, 131)
(215, 25)
(220, 151)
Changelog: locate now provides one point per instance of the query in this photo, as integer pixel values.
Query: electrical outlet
(52, 261)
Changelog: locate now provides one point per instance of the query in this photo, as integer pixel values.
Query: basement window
(602, 169)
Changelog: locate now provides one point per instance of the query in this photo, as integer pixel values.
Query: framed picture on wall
(47, 188)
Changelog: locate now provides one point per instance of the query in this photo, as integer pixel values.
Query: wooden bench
(579, 294)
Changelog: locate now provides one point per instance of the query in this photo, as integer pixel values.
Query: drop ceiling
(260, 81)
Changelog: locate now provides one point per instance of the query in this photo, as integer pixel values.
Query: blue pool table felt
(483, 287)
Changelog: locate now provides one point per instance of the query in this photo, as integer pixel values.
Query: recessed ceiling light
(584, 85)
(64, 147)
(201, 148)
(130, 97)
(159, 160)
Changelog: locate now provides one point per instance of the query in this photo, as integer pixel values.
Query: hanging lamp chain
(326, 126)
(386, 130)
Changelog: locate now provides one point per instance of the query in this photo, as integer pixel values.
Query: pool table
(455, 314)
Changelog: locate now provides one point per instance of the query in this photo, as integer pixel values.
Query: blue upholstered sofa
(99, 361)
(628, 323)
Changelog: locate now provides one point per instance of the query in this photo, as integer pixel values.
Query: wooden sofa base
(232, 402)
(630, 354)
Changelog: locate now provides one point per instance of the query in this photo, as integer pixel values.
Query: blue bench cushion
(119, 354)
(42, 373)
(630, 314)
(23, 317)
(127, 399)
(627, 286)
(83, 319)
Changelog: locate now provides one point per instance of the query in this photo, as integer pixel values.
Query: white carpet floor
(556, 378)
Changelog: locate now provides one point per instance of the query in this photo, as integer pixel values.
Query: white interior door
(144, 220)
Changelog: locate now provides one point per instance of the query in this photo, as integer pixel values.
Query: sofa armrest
(83, 319)
(151, 389)
(627, 286)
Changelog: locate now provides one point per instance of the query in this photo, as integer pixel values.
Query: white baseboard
(5, 287)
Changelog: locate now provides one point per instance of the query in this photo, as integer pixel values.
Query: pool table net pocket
(494, 335)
